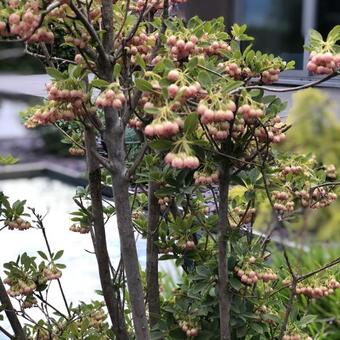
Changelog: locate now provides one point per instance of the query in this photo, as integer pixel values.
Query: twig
(138, 160)
(69, 137)
(123, 23)
(43, 230)
(329, 265)
(37, 55)
(40, 297)
(46, 54)
(9, 335)
(326, 184)
(288, 89)
(91, 30)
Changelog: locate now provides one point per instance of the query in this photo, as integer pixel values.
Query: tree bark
(130, 257)
(114, 139)
(223, 224)
(152, 256)
(11, 314)
(112, 301)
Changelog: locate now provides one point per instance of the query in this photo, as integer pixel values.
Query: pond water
(54, 198)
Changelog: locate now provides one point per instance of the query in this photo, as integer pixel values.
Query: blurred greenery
(315, 129)
(327, 309)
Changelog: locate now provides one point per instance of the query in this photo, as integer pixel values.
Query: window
(282, 27)
(276, 25)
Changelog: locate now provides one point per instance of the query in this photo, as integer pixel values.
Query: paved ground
(33, 85)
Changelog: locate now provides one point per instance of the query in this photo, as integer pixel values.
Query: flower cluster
(80, 42)
(142, 44)
(181, 160)
(187, 329)
(250, 277)
(202, 178)
(111, 98)
(282, 202)
(323, 63)
(162, 129)
(318, 290)
(18, 224)
(80, 229)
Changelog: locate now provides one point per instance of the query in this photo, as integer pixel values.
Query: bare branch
(328, 265)
(90, 29)
(9, 335)
(138, 160)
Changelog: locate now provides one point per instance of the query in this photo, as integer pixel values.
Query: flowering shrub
(195, 96)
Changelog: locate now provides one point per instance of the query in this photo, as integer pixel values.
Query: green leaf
(60, 266)
(307, 319)
(99, 83)
(315, 40)
(143, 85)
(235, 283)
(54, 73)
(232, 85)
(42, 254)
(191, 123)
(140, 61)
(116, 71)
(257, 328)
(334, 35)
(58, 255)
(7, 160)
(204, 78)
(152, 110)
(160, 144)
(203, 271)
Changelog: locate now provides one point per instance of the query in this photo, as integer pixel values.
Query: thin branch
(274, 89)
(329, 265)
(90, 29)
(123, 23)
(43, 230)
(40, 297)
(138, 160)
(9, 335)
(326, 184)
(296, 88)
(69, 137)
(41, 56)
(133, 30)
(288, 89)
(47, 54)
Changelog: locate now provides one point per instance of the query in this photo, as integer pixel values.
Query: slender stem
(138, 160)
(223, 279)
(43, 230)
(49, 60)
(294, 88)
(40, 297)
(58, 280)
(273, 89)
(110, 295)
(9, 335)
(90, 29)
(328, 265)
(289, 306)
(152, 255)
